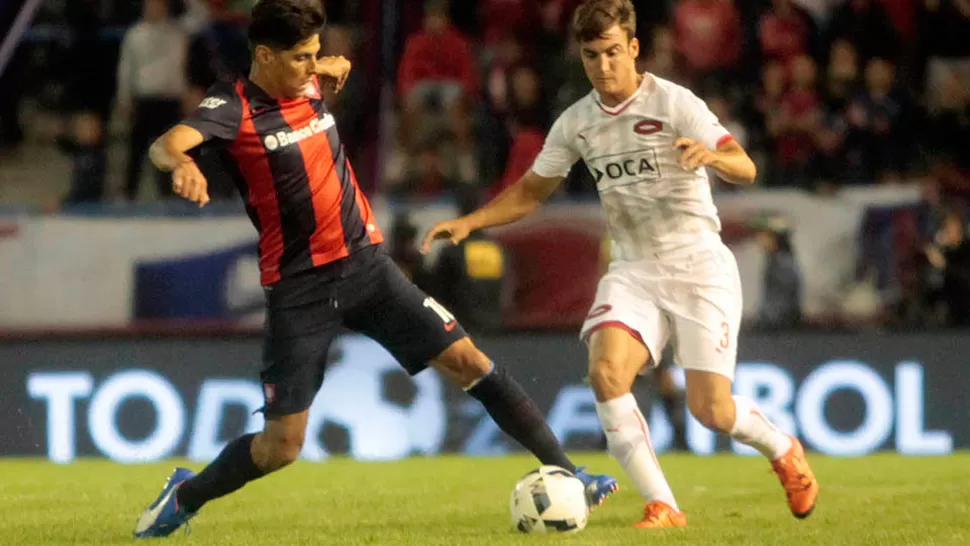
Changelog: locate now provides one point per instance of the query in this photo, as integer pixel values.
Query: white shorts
(693, 301)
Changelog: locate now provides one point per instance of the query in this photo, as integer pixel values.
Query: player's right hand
(455, 230)
(189, 182)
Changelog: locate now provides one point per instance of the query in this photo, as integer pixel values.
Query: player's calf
(715, 413)
(273, 450)
(504, 400)
(245, 459)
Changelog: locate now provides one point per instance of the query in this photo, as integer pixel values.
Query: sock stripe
(761, 416)
(643, 428)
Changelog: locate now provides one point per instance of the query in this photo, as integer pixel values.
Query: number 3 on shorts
(726, 340)
(446, 316)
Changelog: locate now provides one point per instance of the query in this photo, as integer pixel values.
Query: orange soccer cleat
(659, 514)
(797, 479)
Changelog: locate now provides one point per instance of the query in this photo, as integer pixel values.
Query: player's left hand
(334, 69)
(694, 154)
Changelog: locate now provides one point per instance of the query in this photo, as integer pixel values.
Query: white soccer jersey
(652, 205)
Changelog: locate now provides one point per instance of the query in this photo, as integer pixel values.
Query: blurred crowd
(140, 66)
(454, 98)
(824, 93)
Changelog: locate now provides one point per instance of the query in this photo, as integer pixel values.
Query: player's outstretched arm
(516, 201)
(729, 160)
(168, 153)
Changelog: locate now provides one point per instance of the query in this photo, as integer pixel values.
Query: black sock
(231, 470)
(519, 417)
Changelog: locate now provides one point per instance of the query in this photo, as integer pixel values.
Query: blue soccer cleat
(165, 515)
(598, 486)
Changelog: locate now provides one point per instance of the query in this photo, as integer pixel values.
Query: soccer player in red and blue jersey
(322, 263)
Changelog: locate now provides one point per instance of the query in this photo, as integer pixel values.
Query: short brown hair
(594, 17)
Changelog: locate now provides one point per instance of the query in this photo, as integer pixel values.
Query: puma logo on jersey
(211, 103)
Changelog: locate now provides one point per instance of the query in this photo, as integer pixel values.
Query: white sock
(752, 428)
(628, 439)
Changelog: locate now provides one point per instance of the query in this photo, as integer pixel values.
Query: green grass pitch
(880, 500)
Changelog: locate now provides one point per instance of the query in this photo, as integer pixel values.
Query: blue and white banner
(136, 400)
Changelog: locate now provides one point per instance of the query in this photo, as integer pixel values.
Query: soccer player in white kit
(647, 142)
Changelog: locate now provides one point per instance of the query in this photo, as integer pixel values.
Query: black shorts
(365, 293)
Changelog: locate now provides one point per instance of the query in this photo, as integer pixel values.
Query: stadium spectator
(832, 165)
(661, 57)
(797, 124)
(502, 18)
(949, 254)
(780, 305)
(763, 115)
(877, 123)
(842, 76)
(709, 36)
(571, 84)
(437, 74)
(217, 50)
(841, 84)
(426, 175)
(151, 87)
(525, 124)
(509, 55)
(919, 280)
(786, 31)
(87, 150)
(949, 120)
(88, 79)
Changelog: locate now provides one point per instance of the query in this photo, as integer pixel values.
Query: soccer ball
(549, 499)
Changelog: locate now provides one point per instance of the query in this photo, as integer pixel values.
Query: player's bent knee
(607, 379)
(462, 363)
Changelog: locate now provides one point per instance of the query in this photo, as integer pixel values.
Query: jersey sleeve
(557, 155)
(696, 121)
(219, 115)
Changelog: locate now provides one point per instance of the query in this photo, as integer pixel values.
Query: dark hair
(594, 17)
(282, 24)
